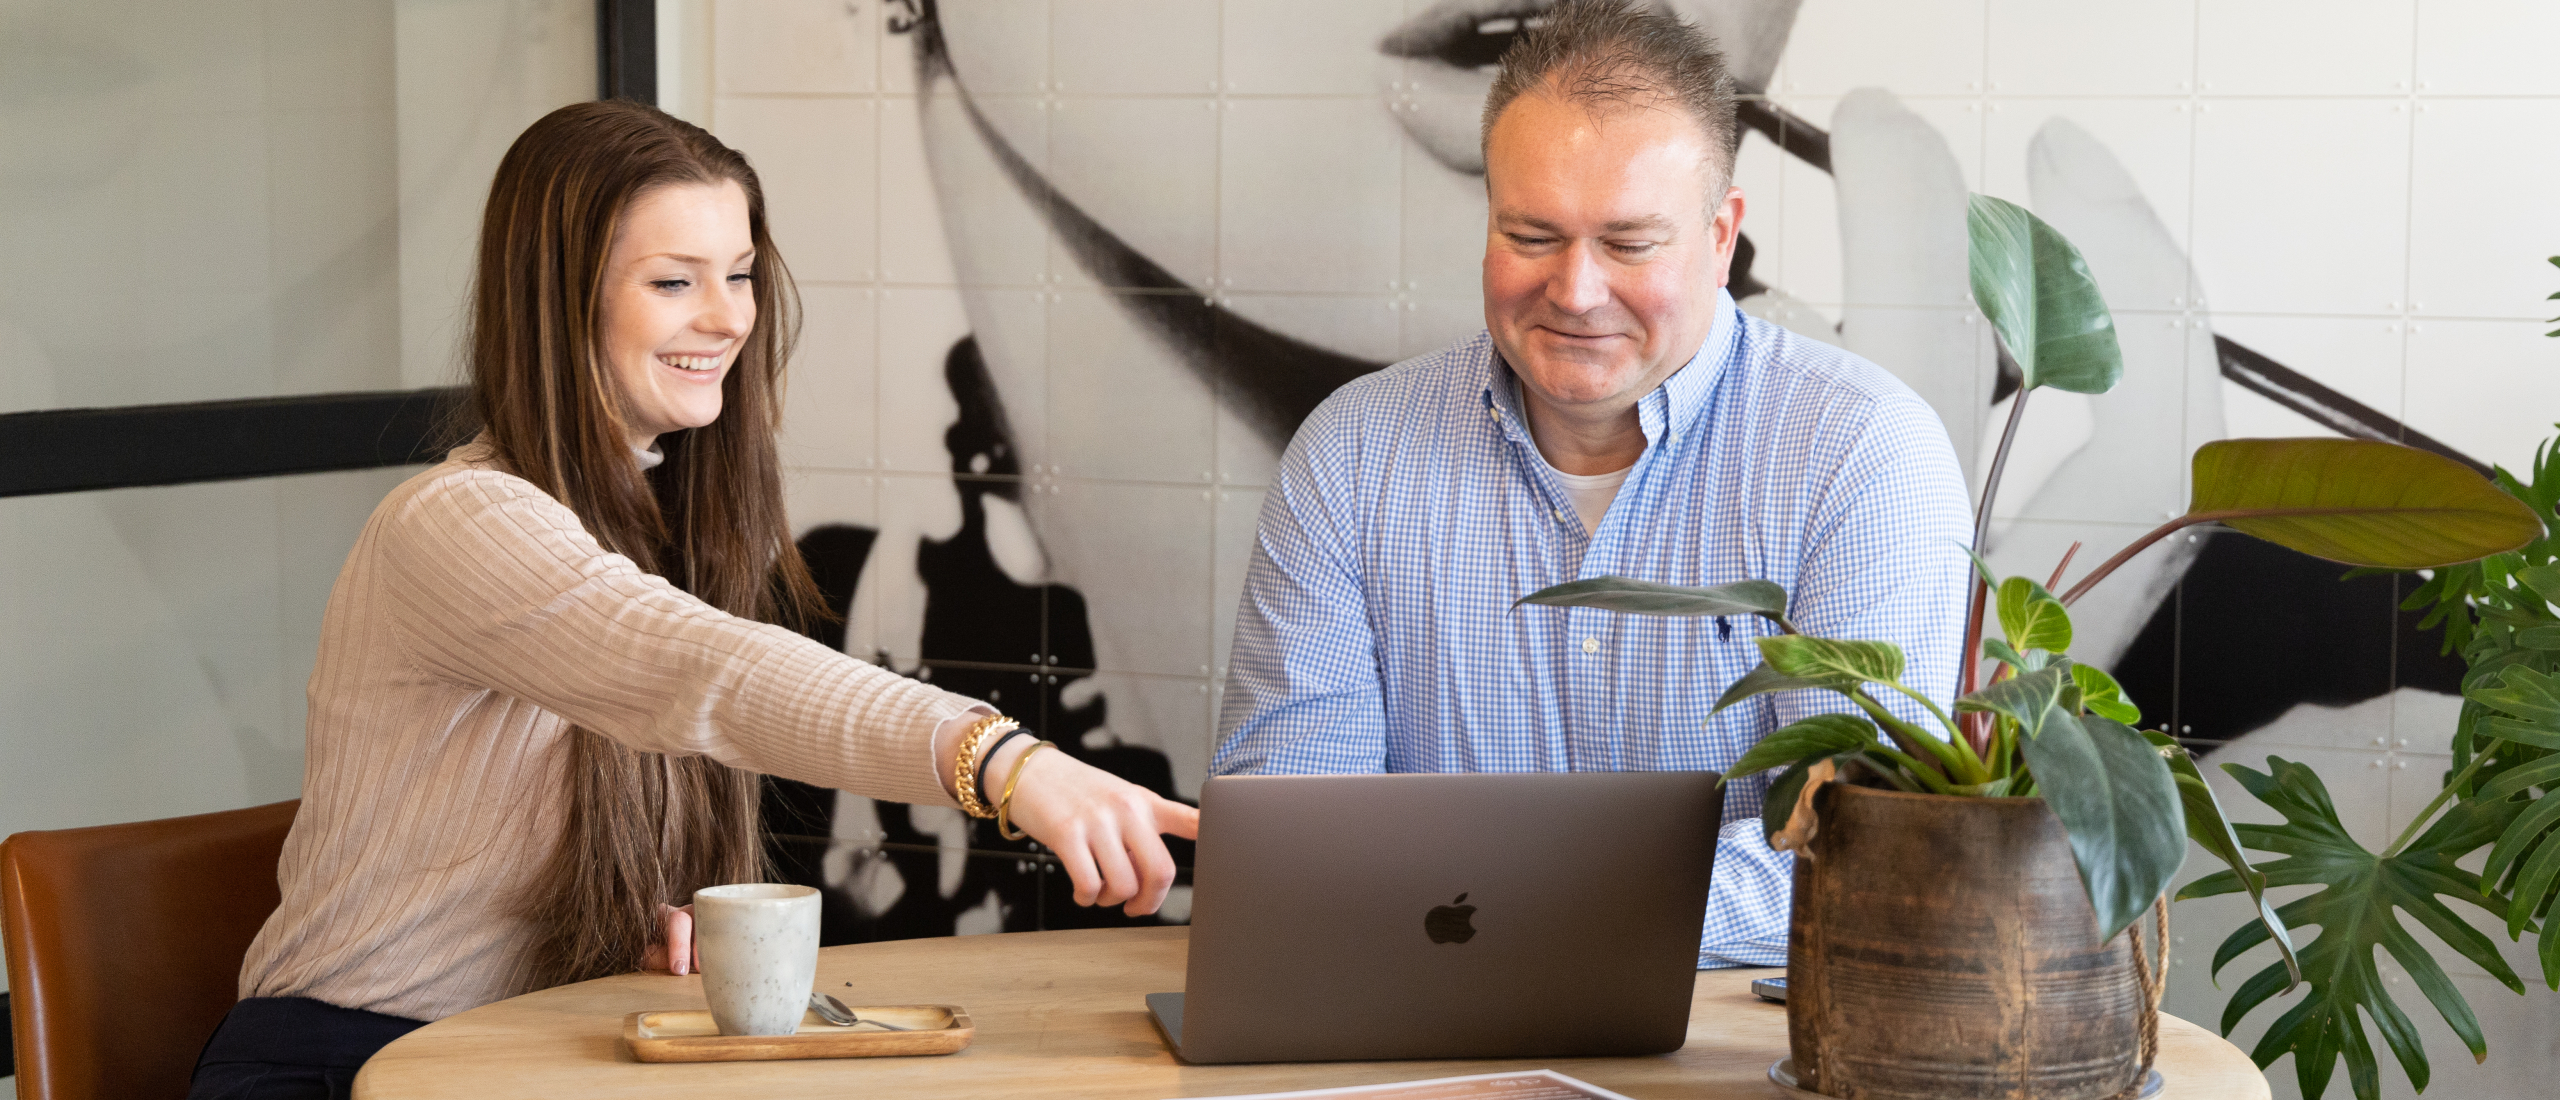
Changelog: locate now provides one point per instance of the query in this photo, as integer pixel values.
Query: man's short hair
(1621, 54)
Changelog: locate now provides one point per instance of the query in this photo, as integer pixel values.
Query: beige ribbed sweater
(473, 623)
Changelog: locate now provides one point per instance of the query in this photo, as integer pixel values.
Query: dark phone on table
(1770, 989)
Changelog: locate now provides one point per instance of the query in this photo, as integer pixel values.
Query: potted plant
(2500, 795)
(1931, 891)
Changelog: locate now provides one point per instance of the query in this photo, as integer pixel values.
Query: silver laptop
(1532, 915)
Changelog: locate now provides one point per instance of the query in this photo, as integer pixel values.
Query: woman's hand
(673, 953)
(1106, 830)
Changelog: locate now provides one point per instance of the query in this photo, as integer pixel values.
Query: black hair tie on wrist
(989, 756)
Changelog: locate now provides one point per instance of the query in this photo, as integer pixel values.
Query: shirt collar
(1674, 405)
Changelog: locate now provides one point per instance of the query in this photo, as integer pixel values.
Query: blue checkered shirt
(1377, 632)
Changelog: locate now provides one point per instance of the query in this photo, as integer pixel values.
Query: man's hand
(673, 953)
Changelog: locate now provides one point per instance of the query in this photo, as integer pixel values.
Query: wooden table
(1061, 1014)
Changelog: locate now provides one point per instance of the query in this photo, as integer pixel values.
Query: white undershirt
(1590, 493)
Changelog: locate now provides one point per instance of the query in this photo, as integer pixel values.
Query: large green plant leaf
(2039, 295)
(1819, 735)
(2101, 694)
(1636, 597)
(2031, 699)
(2116, 799)
(1762, 680)
(2032, 618)
(2358, 909)
(2211, 830)
(2358, 501)
(1833, 664)
(2524, 708)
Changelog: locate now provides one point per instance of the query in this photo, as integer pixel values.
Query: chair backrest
(124, 946)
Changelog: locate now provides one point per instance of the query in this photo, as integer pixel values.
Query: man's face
(1603, 259)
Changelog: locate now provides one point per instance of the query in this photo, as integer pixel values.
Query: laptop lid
(1445, 916)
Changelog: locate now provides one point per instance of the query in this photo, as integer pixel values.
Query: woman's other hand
(1107, 831)
(673, 953)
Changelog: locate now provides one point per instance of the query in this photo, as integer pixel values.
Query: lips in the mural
(1464, 34)
(1441, 63)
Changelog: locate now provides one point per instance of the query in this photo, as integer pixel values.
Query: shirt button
(1591, 645)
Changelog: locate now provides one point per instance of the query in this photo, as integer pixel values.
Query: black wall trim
(2333, 410)
(627, 50)
(71, 450)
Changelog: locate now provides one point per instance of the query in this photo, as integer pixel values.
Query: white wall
(220, 200)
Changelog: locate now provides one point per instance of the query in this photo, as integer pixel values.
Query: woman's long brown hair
(642, 829)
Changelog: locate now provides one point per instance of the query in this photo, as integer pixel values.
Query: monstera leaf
(2358, 908)
(2038, 293)
(2524, 707)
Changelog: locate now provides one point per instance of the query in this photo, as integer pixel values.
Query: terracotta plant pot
(1944, 947)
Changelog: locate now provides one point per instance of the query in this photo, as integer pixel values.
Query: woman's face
(678, 303)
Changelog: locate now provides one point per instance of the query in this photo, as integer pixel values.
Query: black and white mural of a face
(1169, 254)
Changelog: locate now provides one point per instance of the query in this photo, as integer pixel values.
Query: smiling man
(1618, 416)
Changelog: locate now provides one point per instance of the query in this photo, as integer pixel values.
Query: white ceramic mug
(757, 947)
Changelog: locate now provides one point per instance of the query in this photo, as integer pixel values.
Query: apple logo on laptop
(1451, 923)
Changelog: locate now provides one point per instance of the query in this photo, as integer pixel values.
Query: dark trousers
(291, 1048)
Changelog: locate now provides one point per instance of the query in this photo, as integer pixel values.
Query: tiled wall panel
(1062, 238)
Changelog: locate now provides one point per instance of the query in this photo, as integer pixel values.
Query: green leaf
(1981, 568)
(2513, 781)
(2032, 618)
(2527, 706)
(2038, 294)
(1819, 735)
(2024, 662)
(2543, 579)
(2358, 908)
(1833, 664)
(1780, 804)
(2032, 699)
(2523, 706)
(1762, 680)
(1636, 597)
(2532, 845)
(2100, 694)
(2210, 828)
(2116, 799)
(2358, 501)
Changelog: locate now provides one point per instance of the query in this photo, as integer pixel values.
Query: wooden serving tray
(691, 1036)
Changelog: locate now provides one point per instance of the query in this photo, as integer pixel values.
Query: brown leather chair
(125, 944)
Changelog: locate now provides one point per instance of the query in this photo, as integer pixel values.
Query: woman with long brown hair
(554, 663)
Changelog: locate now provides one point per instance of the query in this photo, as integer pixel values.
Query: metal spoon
(833, 1011)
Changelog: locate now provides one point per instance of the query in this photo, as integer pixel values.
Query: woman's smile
(703, 366)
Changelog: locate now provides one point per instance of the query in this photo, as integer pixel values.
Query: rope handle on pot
(2152, 979)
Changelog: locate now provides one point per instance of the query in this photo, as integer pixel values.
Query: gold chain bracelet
(964, 779)
(1004, 805)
